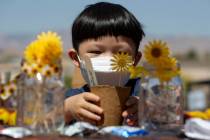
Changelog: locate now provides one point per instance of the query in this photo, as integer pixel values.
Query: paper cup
(112, 101)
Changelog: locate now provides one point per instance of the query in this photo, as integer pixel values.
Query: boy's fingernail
(98, 118)
(100, 111)
(124, 114)
(98, 99)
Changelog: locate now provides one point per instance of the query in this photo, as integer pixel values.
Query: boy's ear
(74, 57)
(137, 58)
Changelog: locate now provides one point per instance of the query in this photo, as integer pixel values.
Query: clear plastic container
(40, 103)
(161, 104)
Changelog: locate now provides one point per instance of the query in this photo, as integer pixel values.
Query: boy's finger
(93, 108)
(132, 100)
(91, 97)
(132, 118)
(88, 120)
(131, 122)
(130, 110)
(85, 114)
(125, 114)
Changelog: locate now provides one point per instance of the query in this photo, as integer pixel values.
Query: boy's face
(106, 46)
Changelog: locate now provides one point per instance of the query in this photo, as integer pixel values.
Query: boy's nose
(109, 53)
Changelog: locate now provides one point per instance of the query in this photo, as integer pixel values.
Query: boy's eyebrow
(121, 48)
(117, 45)
(99, 46)
(122, 45)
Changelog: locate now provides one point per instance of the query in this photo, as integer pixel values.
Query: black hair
(103, 19)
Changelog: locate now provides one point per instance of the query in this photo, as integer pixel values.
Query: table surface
(156, 136)
(95, 138)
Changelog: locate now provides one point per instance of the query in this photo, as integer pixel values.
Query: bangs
(106, 20)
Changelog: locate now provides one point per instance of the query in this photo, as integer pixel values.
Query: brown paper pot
(112, 101)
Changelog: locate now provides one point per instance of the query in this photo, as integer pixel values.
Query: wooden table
(158, 136)
(95, 138)
(103, 138)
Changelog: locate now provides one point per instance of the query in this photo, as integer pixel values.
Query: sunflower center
(156, 52)
(121, 62)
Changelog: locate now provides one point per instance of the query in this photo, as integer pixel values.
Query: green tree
(192, 55)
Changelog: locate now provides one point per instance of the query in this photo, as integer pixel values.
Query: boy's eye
(124, 52)
(95, 52)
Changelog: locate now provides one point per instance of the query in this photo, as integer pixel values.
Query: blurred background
(184, 25)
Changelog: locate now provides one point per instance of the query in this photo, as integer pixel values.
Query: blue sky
(159, 17)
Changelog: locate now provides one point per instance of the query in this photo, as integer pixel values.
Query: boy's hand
(83, 107)
(131, 113)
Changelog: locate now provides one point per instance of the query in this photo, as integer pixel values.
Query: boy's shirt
(133, 83)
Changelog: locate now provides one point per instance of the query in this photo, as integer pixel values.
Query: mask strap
(87, 69)
(79, 58)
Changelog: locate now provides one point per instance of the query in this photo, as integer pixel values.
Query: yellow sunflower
(137, 71)
(166, 75)
(5, 92)
(30, 69)
(34, 53)
(47, 49)
(167, 69)
(4, 115)
(12, 118)
(53, 46)
(168, 63)
(155, 51)
(208, 112)
(121, 61)
(198, 114)
(48, 71)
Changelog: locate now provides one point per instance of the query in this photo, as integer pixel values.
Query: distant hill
(20, 41)
(12, 46)
(178, 44)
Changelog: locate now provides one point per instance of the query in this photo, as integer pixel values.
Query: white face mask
(104, 73)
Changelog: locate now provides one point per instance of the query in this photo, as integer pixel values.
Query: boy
(101, 30)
